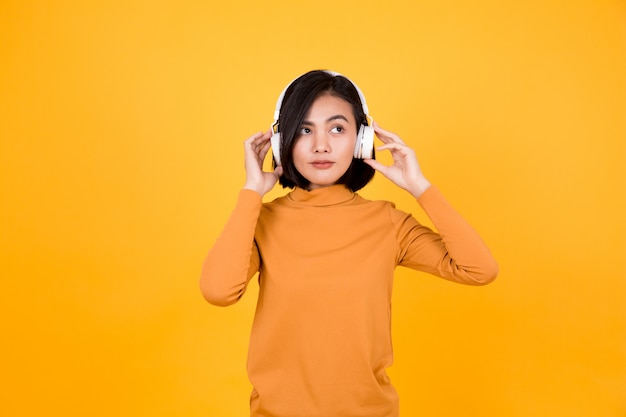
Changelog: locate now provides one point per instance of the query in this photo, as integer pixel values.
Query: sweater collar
(325, 196)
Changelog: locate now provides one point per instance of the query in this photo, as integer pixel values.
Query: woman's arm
(234, 258)
(456, 252)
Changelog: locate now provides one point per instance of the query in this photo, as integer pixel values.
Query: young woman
(321, 338)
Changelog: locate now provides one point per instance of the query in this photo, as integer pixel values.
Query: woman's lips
(322, 164)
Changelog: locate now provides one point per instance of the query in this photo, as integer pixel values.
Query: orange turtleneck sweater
(321, 337)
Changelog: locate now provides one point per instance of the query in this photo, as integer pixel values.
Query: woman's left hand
(405, 171)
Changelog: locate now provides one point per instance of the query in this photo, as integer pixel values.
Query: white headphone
(364, 146)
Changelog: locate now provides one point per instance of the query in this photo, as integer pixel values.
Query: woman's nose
(321, 144)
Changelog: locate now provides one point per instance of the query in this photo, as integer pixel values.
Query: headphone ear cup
(359, 143)
(275, 141)
(364, 148)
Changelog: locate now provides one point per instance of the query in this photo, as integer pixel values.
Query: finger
(395, 146)
(263, 139)
(258, 143)
(259, 137)
(254, 137)
(267, 134)
(392, 145)
(263, 148)
(386, 136)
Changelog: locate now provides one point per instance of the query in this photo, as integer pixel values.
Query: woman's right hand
(255, 149)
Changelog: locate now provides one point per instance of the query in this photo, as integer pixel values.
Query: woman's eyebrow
(330, 119)
(337, 116)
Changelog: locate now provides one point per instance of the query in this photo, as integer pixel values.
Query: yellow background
(121, 126)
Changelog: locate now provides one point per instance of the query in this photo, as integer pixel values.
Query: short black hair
(297, 101)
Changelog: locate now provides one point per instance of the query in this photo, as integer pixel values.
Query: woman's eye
(305, 131)
(337, 129)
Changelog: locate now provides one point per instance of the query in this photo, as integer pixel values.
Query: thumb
(376, 165)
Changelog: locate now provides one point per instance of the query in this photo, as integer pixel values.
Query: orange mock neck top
(321, 338)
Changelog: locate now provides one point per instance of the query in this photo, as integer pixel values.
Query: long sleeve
(456, 252)
(234, 258)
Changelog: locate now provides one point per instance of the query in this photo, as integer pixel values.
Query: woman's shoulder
(374, 202)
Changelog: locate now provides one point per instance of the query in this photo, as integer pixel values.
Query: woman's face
(325, 144)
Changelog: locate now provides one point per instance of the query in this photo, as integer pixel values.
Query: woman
(321, 338)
